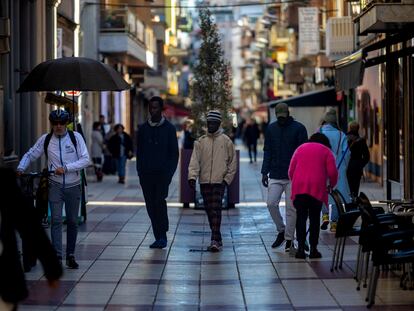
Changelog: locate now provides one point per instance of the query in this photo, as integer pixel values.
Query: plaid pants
(212, 197)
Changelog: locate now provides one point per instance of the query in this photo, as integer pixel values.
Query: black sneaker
(279, 240)
(71, 262)
(314, 253)
(288, 245)
(325, 222)
(300, 254)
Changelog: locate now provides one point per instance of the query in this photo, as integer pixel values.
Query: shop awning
(349, 71)
(319, 98)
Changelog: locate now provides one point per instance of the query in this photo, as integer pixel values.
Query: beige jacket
(213, 160)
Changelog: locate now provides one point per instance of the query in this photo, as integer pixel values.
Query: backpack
(49, 137)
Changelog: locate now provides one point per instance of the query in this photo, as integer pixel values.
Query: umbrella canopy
(73, 73)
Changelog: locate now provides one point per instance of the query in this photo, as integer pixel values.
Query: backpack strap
(46, 143)
(339, 143)
(73, 140)
(49, 137)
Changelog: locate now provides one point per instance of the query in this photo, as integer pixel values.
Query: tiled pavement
(119, 272)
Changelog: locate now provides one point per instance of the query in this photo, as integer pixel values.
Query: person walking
(359, 158)
(339, 146)
(157, 159)
(66, 155)
(312, 167)
(18, 215)
(120, 147)
(251, 135)
(97, 150)
(214, 163)
(281, 140)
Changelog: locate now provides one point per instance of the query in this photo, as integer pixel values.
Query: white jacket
(61, 153)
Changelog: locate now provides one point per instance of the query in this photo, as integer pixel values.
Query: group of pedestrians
(306, 170)
(303, 169)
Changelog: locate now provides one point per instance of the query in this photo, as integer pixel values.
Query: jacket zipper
(61, 159)
(212, 154)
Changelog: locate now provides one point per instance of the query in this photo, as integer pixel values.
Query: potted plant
(210, 90)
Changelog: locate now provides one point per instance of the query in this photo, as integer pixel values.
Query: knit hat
(282, 110)
(214, 115)
(330, 116)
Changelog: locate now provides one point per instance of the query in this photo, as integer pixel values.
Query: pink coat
(311, 167)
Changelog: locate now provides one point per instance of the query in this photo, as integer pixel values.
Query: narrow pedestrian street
(118, 271)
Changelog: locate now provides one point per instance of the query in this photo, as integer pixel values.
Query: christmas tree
(211, 85)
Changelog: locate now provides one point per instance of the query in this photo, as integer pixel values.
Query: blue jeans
(71, 197)
(120, 166)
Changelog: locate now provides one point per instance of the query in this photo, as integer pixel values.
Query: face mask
(281, 120)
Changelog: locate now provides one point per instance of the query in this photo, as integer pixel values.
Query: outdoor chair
(389, 238)
(345, 228)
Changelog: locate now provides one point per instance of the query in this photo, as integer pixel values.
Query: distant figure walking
(157, 159)
(281, 140)
(97, 148)
(213, 162)
(251, 135)
(120, 146)
(359, 158)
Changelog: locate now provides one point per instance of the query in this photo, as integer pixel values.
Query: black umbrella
(73, 74)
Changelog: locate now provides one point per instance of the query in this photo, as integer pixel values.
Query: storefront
(381, 75)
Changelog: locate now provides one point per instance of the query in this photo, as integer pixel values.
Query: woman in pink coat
(312, 171)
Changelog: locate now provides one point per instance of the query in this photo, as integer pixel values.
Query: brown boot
(121, 180)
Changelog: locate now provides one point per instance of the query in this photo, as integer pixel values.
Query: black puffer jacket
(280, 143)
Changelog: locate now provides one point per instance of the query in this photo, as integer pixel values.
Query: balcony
(381, 16)
(339, 37)
(124, 36)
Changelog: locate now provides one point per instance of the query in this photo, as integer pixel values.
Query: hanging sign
(309, 36)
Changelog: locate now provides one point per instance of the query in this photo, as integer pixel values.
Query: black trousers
(307, 206)
(155, 189)
(252, 150)
(354, 180)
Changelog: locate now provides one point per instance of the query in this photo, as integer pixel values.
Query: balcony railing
(365, 4)
(125, 21)
(379, 16)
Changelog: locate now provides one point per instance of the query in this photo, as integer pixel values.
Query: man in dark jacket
(281, 140)
(157, 159)
(359, 158)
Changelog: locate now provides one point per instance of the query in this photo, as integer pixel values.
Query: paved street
(119, 272)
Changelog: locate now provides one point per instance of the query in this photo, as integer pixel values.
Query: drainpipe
(51, 25)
